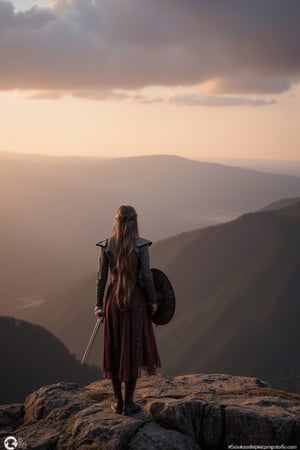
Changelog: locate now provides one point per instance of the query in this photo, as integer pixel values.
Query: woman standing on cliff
(129, 342)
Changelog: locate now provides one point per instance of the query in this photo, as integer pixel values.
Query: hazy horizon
(279, 166)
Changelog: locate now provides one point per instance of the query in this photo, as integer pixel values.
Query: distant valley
(236, 283)
(237, 286)
(53, 210)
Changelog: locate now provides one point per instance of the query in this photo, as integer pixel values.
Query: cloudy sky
(198, 78)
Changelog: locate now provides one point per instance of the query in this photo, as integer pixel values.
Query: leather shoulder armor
(141, 241)
(102, 243)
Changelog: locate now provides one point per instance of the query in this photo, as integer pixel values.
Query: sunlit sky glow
(23, 5)
(100, 78)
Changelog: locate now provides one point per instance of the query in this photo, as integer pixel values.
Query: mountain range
(237, 287)
(236, 283)
(54, 209)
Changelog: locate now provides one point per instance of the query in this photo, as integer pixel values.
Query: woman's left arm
(147, 279)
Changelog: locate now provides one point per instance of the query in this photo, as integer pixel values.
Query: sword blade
(92, 339)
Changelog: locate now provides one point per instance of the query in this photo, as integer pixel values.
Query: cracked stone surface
(201, 411)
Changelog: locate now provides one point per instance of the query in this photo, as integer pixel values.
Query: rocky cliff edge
(200, 411)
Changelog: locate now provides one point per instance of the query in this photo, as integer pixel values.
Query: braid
(124, 233)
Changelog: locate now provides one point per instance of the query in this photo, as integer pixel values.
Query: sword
(92, 338)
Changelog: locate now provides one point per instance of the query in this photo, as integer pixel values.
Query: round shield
(165, 297)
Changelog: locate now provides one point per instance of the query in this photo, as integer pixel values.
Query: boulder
(201, 411)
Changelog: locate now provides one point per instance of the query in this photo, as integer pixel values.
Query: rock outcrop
(181, 413)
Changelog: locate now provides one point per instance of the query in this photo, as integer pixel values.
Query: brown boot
(117, 403)
(130, 407)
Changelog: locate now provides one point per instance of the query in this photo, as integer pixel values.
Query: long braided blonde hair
(122, 244)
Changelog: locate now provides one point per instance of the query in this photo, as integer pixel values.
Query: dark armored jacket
(143, 271)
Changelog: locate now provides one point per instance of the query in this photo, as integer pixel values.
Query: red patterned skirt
(129, 341)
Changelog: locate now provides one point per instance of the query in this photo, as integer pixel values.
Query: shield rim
(155, 319)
